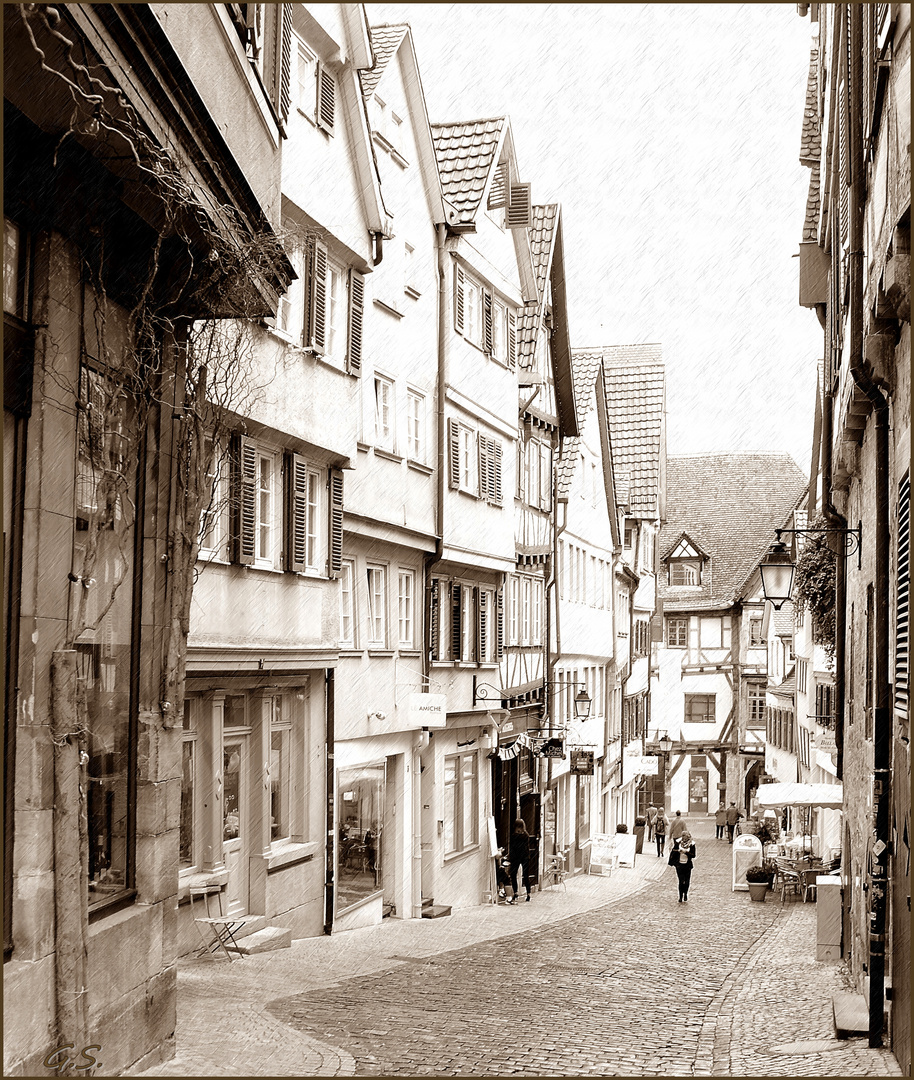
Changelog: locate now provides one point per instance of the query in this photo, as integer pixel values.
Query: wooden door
(698, 791)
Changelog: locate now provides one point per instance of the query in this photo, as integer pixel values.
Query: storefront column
(209, 748)
(261, 714)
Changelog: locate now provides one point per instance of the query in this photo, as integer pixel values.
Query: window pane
(468, 800)
(186, 841)
(346, 606)
(449, 809)
(280, 743)
(360, 854)
(232, 793)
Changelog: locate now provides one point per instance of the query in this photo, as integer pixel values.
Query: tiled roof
(634, 380)
(783, 622)
(811, 138)
(385, 40)
(584, 368)
(811, 220)
(542, 233)
(466, 152)
(729, 504)
(787, 686)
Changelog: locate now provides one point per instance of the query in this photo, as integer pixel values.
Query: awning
(826, 796)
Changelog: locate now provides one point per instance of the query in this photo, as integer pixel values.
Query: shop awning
(825, 796)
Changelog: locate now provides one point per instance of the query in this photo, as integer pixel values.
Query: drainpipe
(330, 774)
(862, 376)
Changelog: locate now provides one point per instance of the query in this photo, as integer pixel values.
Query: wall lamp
(665, 743)
(777, 569)
(485, 692)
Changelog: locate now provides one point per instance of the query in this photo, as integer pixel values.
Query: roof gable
(467, 153)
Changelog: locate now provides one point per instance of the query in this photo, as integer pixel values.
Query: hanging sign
(552, 748)
(582, 762)
(427, 710)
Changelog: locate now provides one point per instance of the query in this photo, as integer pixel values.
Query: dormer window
(685, 564)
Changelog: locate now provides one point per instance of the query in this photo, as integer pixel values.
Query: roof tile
(542, 234)
(466, 153)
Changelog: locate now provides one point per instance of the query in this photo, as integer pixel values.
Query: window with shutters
(405, 600)
(487, 631)
(213, 543)
(377, 606)
(336, 312)
(347, 604)
(258, 507)
(513, 611)
(489, 455)
(326, 99)
(463, 468)
(384, 413)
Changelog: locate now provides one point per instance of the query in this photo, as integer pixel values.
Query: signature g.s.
(59, 1059)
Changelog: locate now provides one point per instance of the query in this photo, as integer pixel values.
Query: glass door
(234, 813)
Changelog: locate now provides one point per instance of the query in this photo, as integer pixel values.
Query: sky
(670, 134)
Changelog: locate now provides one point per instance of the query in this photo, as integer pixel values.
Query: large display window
(360, 851)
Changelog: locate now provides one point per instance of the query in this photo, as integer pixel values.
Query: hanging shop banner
(552, 748)
(582, 762)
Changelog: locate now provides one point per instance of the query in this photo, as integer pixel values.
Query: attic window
(684, 565)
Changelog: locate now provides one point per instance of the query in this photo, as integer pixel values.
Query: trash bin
(828, 917)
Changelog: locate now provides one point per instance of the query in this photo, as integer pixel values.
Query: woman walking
(681, 857)
(519, 853)
(660, 826)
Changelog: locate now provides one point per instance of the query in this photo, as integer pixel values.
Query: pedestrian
(650, 815)
(660, 827)
(720, 821)
(681, 857)
(519, 854)
(502, 876)
(678, 827)
(733, 815)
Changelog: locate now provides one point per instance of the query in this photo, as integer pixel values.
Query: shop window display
(360, 856)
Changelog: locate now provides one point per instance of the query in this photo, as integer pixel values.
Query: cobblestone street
(638, 986)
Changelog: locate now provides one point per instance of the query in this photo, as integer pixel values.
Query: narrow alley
(613, 977)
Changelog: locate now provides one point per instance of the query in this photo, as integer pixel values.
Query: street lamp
(777, 569)
(665, 743)
(581, 704)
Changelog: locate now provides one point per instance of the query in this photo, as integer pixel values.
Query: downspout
(330, 775)
(862, 376)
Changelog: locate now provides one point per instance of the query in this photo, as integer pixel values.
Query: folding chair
(222, 928)
(557, 870)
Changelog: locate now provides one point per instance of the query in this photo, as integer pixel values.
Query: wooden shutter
(512, 340)
(488, 342)
(519, 214)
(318, 327)
(335, 560)
(495, 493)
(456, 621)
(458, 299)
(434, 619)
(482, 615)
(283, 94)
(244, 501)
(296, 536)
(498, 192)
(326, 99)
(902, 582)
(482, 461)
(356, 309)
(453, 438)
(499, 624)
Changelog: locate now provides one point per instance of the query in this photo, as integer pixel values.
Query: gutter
(862, 376)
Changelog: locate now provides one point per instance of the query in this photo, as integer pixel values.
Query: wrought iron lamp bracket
(853, 538)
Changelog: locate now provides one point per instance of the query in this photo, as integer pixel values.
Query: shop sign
(552, 748)
(582, 762)
(825, 741)
(427, 710)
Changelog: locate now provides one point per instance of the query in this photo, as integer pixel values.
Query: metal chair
(790, 882)
(222, 928)
(557, 870)
(808, 882)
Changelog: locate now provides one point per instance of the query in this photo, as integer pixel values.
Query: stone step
(266, 940)
(252, 924)
(435, 911)
(852, 1015)
(427, 901)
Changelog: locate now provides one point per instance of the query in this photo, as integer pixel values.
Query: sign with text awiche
(427, 710)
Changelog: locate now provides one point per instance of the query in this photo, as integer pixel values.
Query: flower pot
(757, 890)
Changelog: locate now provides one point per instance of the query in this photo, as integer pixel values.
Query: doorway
(698, 791)
(235, 820)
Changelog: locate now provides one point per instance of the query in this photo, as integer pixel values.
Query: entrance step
(435, 911)
(252, 924)
(852, 1015)
(427, 901)
(266, 940)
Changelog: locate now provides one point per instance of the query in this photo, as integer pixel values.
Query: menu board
(602, 853)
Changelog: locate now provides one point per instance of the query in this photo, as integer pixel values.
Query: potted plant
(640, 822)
(758, 879)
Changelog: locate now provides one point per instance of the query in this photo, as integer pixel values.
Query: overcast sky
(670, 134)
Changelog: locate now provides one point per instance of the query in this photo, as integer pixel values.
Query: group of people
(514, 863)
(726, 819)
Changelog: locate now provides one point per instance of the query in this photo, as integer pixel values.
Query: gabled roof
(670, 550)
(385, 40)
(634, 378)
(584, 370)
(730, 504)
(542, 234)
(467, 153)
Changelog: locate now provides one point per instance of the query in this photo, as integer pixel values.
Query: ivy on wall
(815, 586)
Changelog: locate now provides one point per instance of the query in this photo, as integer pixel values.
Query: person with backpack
(681, 858)
(660, 827)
